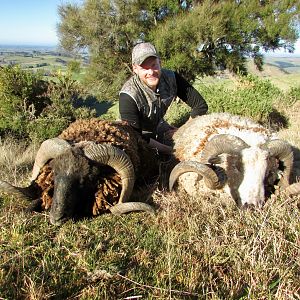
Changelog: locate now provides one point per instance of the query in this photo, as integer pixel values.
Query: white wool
(246, 187)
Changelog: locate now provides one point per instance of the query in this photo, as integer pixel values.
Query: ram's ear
(27, 193)
(282, 150)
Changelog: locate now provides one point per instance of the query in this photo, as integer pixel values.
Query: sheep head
(247, 173)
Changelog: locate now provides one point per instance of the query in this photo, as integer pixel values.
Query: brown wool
(118, 134)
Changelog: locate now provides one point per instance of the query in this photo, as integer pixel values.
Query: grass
(194, 248)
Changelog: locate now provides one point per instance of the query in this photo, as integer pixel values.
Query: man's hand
(169, 134)
(161, 148)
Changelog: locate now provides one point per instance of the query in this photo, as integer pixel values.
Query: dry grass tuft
(16, 159)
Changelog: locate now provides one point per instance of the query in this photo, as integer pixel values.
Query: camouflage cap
(142, 51)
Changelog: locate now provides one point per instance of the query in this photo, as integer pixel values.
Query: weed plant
(250, 96)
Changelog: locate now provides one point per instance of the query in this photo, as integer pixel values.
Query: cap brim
(144, 57)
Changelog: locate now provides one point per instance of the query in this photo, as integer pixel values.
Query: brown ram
(92, 167)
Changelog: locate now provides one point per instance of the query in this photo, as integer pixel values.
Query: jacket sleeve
(129, 111)
(187, 93)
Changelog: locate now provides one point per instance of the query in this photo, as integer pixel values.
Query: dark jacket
(144, 109)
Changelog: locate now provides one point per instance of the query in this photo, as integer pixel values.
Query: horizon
(31, 46)
(34, 24)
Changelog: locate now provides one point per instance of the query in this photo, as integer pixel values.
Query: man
(146, 96)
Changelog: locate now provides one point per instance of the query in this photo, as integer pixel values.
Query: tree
(192, 37)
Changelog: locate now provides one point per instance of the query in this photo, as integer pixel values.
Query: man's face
(149, 72)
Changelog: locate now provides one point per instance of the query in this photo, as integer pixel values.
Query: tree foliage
(193, 37)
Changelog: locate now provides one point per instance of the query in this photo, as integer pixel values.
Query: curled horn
(282, 151)
(117, 159)
(210, 177)
(49, 149)
(122, 208)
(222, 143)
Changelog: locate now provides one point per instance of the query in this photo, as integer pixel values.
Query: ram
(93, 167)
(234, 155)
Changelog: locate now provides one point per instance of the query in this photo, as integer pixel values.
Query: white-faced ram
(233, 155)
(92, 167)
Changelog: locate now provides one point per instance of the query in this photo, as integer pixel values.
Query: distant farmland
(282, 71)
(47, 60)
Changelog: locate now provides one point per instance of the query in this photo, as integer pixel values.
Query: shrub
(293, 95)
(33, 108)
(252, 97)
(22, 98)
(46, 127)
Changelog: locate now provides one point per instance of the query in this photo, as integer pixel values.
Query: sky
(30, 22)
(33, 22)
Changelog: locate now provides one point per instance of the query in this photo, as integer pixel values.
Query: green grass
(193, 248)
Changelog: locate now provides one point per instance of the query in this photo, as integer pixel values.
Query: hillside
(284, 72)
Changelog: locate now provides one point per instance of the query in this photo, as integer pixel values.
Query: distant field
(46, 61)
(283, 72)
(288, 65)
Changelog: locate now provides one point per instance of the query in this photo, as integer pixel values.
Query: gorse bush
(252, 97)
(63, 93)
(31, 107)
(293, 95)
(22, 98)
(178, 113)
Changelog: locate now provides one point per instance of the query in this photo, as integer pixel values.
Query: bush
(293, 95)
(37, 109)
(46, 127)
(22, 98)
(253, 97)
